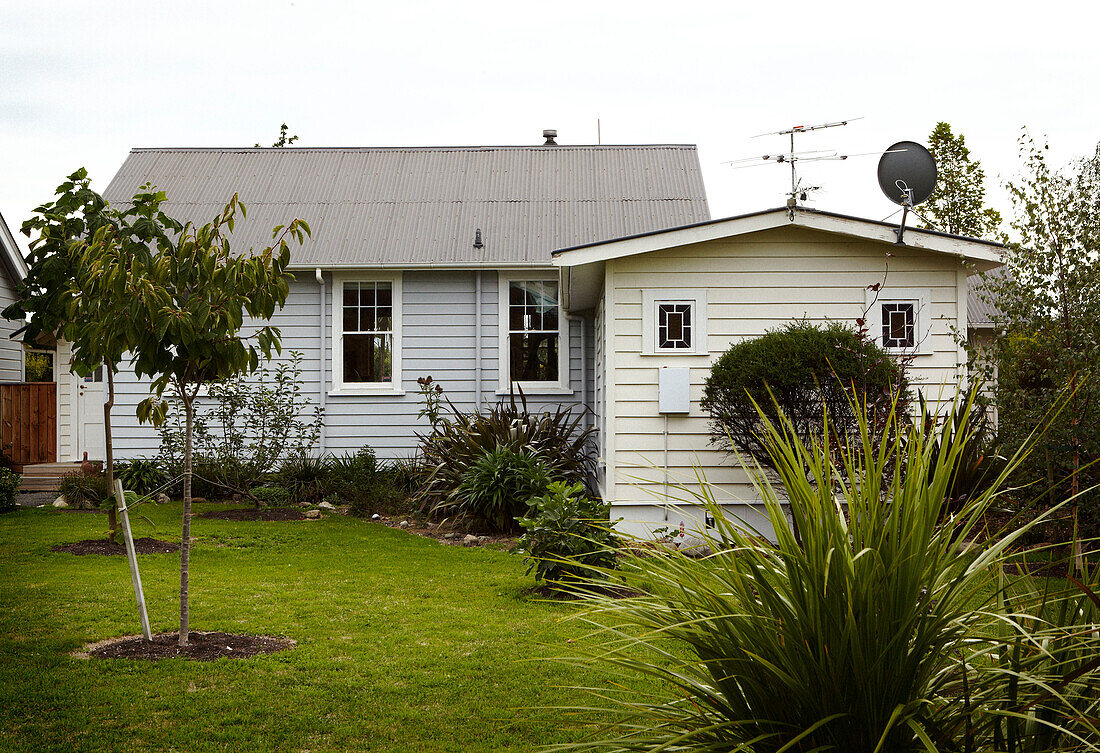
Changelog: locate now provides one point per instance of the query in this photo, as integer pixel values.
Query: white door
(89, 413)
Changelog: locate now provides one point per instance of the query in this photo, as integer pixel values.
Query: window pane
(899, 325)
(533, 357)
(384, 294)
(533, 305)
(366, 320)
(674, 326)
(366, 294)
(368, 358)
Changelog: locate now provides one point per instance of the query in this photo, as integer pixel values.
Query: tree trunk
(185, 544)
(112, 511)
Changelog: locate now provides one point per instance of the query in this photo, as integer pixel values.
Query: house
(588, 275)
(423, 261)
(12, 271)
(665, 304)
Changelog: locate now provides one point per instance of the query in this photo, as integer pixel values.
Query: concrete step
(45, 477)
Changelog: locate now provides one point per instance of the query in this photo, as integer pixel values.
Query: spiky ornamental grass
(877, 632)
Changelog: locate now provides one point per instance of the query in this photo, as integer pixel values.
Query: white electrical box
(673, 390)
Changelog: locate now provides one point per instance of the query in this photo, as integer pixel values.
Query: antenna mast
(798, 192)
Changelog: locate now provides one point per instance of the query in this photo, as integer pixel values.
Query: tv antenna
(907, 175)
(798, 191)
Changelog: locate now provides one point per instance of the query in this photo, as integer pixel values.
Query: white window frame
(921, 298)
(339, 386)
(697, 298)
(504, 367)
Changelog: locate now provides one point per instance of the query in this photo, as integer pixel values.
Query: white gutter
(519, 265)
(321, 379)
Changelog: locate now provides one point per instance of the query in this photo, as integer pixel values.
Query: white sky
(83, 82)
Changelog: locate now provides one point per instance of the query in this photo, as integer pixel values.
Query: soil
(267, 514)
(201, 647)
(441, 531)
(144, 545)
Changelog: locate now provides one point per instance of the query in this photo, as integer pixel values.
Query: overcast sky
(81, 83)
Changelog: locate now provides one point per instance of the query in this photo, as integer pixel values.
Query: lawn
(403, 643)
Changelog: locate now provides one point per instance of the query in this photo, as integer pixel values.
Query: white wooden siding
(754, 283)
(11, 351)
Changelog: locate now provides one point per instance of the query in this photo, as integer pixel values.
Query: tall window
(368, 332)
(534, 331)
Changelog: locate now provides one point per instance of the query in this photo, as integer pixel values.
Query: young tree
(958, 204)
(1049, 348)
(195, 298)
(83, 268)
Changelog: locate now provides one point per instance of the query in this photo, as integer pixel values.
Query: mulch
(266, 514)
(144, 545)
(200, 647)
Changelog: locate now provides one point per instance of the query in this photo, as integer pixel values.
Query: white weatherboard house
(666, 304)
(589, 275)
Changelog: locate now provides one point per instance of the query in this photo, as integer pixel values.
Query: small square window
(674, 325)
(899, 325)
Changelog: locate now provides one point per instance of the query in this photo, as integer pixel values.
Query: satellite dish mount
(907, 176)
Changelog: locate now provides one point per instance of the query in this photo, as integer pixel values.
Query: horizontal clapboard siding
(11, 351)
(438, 339)
(754, 283)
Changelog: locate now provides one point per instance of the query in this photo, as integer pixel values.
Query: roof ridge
(456, 148)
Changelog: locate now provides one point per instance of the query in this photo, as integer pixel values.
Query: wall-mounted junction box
(673, 390)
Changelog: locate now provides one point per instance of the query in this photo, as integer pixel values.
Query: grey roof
(980, 313)
(421, 206)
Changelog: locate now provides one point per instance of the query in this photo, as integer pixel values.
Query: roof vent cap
(550, 134)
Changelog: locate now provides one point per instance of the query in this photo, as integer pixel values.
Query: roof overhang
(583, 266)
(12, 258)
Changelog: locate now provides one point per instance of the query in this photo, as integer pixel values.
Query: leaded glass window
(674, 328)
(899, 324)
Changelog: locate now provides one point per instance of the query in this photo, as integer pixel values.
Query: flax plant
(861, 636)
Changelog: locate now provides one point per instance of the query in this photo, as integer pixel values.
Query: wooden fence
(28, 422)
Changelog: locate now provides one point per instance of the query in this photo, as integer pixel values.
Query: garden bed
(143, 545)
(265, 514)
(201, 647)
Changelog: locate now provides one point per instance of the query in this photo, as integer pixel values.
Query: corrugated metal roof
(419, 206)
(980, 313)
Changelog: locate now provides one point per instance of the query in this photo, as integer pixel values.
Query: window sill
(533, 389)
(675, 353)
(384, 390)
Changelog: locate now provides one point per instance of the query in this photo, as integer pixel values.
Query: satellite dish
(907, 173)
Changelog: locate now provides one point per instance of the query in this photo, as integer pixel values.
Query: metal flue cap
(550, 134)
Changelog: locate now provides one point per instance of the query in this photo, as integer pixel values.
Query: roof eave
(982, 254)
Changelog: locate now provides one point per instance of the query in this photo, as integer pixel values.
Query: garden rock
(450, 536)
(60, 502)
(376, 516)
(312, 514)
(404, 524)
(163, 499)
(326, 506)
(470, 540)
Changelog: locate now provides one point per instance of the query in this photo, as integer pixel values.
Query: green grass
(404, 644)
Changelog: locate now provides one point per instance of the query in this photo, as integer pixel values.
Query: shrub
(568, 535)
(382, 496)
(876, 631)
(141, 475)
(246, 425)
(800, 371)
(9, 485)
(84, 491)
(562, 444)
(307, 479)
(271, 496)
(497, 487)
